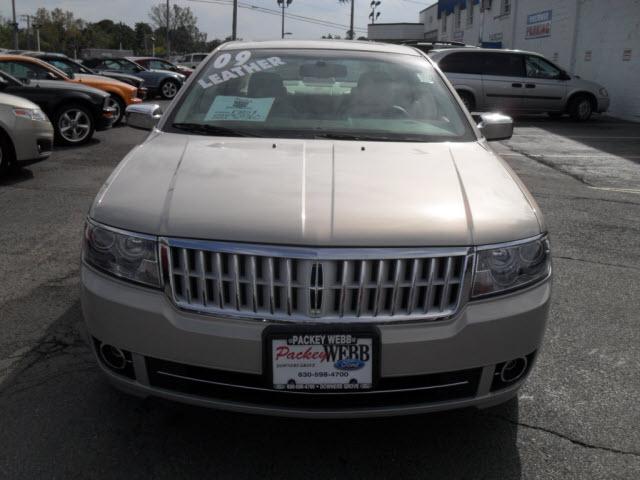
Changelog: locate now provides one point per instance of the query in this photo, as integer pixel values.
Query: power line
(269, 11)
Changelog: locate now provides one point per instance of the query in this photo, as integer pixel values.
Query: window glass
(112, 65)
(462, 62)
(539, 68)
(25, 70)
(67, 67)
(503, 64)
(160, 65)
(309, 93)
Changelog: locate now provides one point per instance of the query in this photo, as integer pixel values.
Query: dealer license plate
(322, 361)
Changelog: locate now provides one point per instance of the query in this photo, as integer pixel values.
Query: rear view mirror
(322, 69)
(144, 116)
(495, 126)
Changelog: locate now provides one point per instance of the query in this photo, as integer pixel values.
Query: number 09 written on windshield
(236, 66)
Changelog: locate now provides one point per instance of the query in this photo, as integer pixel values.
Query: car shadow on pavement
(60, 417)
(599, 135)
(14, 177)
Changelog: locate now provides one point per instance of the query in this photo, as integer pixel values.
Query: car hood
(85, 77)
(577, 82)
(16, 102)
(165, 73)
(317, 192)
(64, 85)
(123, 76)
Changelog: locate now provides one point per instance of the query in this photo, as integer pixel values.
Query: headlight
(603, 92)
(510, 267)
(124, 254)
(31, 113)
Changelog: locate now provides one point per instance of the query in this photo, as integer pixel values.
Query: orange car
(24, 68)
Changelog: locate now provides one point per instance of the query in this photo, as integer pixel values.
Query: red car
(155, 63)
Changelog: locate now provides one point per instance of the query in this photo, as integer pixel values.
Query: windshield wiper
(203, 129)
(352, 136)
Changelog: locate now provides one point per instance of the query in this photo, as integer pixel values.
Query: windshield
(320, 93)
(68, 66)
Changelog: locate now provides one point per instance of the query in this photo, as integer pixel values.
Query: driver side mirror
(495, 126)
(144, 115)
(3, 84)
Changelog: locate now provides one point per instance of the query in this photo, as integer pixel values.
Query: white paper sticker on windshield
(239, 69)
(240, 109)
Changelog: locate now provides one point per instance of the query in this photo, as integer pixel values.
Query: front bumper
(105, 119)
(603, 104)
(218, 362)
(33, 140)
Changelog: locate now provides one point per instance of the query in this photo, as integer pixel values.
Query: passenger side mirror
(495, 126)
(144, 116)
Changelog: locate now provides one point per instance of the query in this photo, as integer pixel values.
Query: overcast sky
(215, 19)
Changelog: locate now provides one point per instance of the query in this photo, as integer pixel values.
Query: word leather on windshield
(240, 67)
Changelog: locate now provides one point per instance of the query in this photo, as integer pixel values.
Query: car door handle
(530, 85)
(516, 85)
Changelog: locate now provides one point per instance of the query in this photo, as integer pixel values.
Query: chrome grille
(298, 284)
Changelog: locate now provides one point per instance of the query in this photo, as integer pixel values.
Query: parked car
(72, 67)
(23, 67)
(158, 82)
(26, 135)
(427, 47)
(317, 230)
(192, 60)
(154, 63)
(75, 110)
(519, 82)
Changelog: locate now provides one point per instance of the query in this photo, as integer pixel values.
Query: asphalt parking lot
(577, 417)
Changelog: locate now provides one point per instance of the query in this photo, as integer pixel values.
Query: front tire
(73, 125)
(118, 104)
(581, 108)
(169, 89)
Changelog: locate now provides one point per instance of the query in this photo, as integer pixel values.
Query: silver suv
(316, 229)
(519, 82)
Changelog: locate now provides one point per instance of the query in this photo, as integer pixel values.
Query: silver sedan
(26, 135)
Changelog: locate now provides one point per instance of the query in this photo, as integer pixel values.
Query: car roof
(479, 49)
(353, 45)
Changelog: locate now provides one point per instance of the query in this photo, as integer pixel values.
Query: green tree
(143, 33)
(184, 33)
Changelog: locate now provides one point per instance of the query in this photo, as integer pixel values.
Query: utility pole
(234, 24)
(284, 4)
(352, 34)
(168, 53)
(36, 26)
(15, 26)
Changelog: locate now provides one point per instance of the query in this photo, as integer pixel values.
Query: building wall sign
(538, 25)
(587, 56)
(495, 37)
(626, 55)
(458, 36)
